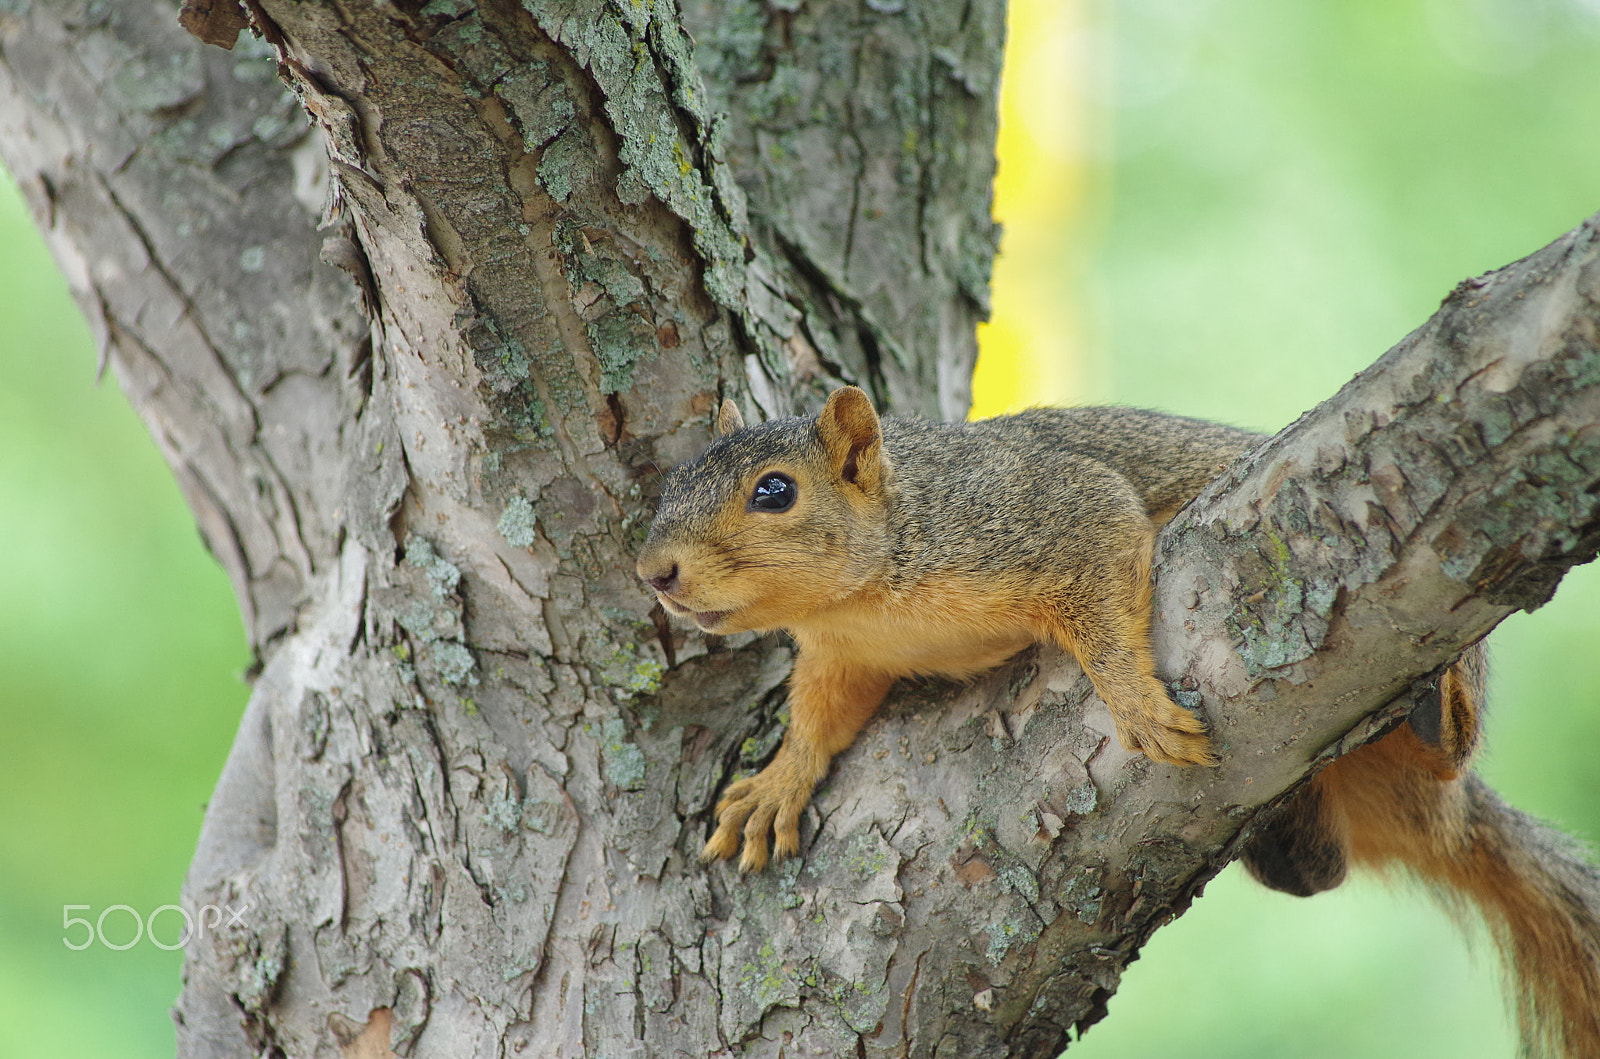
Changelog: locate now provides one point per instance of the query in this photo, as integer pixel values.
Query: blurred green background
(1269, 196)
(120, 647)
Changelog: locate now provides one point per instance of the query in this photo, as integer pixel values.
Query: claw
(754, 857)
(1169, 733)
(723, 844)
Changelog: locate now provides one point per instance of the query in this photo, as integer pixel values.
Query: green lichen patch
(506, 367)
(1006, 932)
(1085, 797)
(453, 662)
(262, 966)
(622, 285)
(867, 855)
(631, 673)
(442, 575)
(503, 812)
(446, 8)
(563, 166)
(640, 59)
(646, 676)
(1019, 880)
(1500, 554)
(502, 358)
(539, 105)
(758, 748)
(620, 341)
(624, 761)
(518, 523)
(418, 620)
(859, 1004)
(767, 980)
(1284, 620)
(1083, 895)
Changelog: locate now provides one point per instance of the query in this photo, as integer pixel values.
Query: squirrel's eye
(775, 492)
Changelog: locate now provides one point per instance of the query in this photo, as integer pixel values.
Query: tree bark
(463, 812)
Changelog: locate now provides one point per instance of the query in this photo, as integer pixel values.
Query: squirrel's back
(1167, 458)
(1018, 490)
(1015, 496)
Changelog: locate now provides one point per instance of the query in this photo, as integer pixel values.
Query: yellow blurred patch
(1029, 351)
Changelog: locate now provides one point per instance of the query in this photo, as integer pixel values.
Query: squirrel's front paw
(771, 801)
(1167, 732)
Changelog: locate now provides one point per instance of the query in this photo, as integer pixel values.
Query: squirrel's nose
(664, 582)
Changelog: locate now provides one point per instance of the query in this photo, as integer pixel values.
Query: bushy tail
(1401, 801)
(1408, 799)
(1541, 901)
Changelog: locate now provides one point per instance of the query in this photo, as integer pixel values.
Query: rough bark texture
(466, 799)
(863, 137)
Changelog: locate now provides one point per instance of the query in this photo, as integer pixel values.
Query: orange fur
(851, 652)
(1104, 622)
(829, 703)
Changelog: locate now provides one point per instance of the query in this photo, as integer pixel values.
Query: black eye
(775, 492)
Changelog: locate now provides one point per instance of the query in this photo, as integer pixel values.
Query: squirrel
(895, 547)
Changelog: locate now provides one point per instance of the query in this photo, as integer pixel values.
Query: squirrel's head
(772, 521)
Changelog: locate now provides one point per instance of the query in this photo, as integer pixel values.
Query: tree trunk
(463, 812)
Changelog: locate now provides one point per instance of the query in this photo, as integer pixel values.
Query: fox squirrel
(892, 547)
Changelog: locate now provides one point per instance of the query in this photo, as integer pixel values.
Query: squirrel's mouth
(703, 618)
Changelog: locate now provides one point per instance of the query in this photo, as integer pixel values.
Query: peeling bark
(463, 810)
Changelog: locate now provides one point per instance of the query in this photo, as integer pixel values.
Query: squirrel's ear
(852, 437)
(728, 418)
